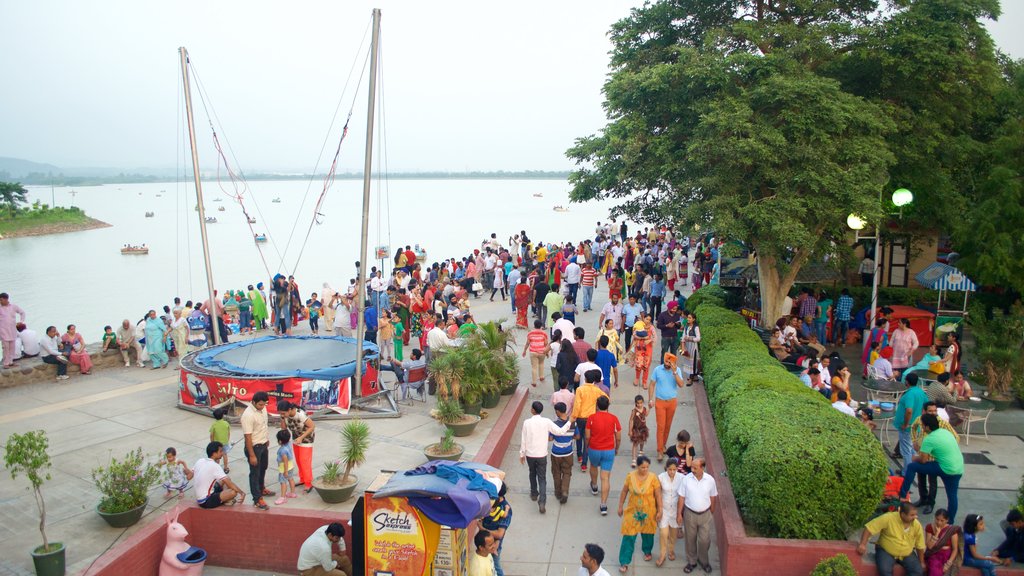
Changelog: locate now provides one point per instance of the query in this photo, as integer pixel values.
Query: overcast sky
(466, 85)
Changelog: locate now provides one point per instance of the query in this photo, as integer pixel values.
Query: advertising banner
(202, 390)
(399, 540)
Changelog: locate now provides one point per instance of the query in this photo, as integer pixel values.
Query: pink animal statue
(179, 558)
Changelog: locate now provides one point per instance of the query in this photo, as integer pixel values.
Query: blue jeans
(839, 331)
(987, 567)
(573, 290)
(581, 440)
(885, 562)
(588, 297)
(822, 329)
(907, 451)
(950, 481)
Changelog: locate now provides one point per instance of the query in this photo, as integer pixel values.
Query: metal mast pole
(367, 167)
(214, 320)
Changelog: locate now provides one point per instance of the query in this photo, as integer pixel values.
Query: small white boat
(211, 220)
(560, 209)
(538, 195)
(252, 220)
(218, 199)
(135, 250)
(220, 208)
(276, 200)
(149, 214)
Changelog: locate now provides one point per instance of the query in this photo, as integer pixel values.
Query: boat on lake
(276, 200)
(211, 220)
(220, 208)
(150, 214)
(135, 249)
(260, 237)
(538, 195)
(560, 209)
(218, 199)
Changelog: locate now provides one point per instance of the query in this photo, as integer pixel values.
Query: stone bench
(30, 370)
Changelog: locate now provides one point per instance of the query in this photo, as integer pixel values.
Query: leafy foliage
(12, 196)
(26, 454)
(709, 294)
(447, 443)
(449, 411)
(999, 345)
(355, 441)
(838, 565)
(332, 472)
(124, 484)
(818, 489)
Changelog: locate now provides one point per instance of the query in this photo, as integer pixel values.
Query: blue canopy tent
(943, 277)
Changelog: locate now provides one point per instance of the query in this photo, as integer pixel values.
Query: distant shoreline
(37, 179)
(48, 228)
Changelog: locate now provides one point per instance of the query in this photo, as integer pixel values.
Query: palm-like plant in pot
(336, 485)
(26, 454)
(446, 449)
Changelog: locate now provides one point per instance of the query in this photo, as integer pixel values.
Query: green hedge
(710, 294)
(838, 565)
(799, 468)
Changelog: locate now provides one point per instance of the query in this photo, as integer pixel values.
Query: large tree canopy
(12, 196)
(771, 121)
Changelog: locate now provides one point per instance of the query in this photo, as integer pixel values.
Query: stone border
(742, 555)
(492, 452)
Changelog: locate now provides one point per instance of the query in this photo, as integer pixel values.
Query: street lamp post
(900, 198)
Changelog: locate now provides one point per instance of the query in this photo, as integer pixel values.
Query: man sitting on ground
(317, 558)
(1012, 549)
(213, 487)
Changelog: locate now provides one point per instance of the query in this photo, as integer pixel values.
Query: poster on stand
(202, 390)
(398, 538)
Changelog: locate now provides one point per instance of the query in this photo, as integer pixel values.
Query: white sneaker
(127, 364)
(140, 364)
(63, 377)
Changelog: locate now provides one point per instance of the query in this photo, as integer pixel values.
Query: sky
(466, 86)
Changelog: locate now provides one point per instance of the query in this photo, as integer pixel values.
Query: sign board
(399, 539)
(201, 390)
(382, 252)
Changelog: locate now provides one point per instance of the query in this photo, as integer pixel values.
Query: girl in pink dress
(78, 354)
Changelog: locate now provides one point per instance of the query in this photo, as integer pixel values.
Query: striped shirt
(562, 445)
(588, 277)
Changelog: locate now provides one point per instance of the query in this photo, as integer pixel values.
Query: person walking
(10, 316)
(908, 409)
(303, 431)
(537, 346)
(661, 396)
(588, 282)
(583, 407)
(691, 348)
(698, 497)
(561, 453)
(669, 322)
(533, 451)
(670, 480)
(257, 444)
(640, 507)
(604, 435)
(590, 561)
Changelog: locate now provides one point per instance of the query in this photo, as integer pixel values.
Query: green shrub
(799, 468)
(838, 565)
(710, 294)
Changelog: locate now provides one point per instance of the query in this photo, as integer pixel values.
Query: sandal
(689, 568)
(624, 568)
(671, 556)
(660, 562)
(647, 557)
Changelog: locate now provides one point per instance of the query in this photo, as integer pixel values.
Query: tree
(720, 117)
(771, 121)
(12, 195)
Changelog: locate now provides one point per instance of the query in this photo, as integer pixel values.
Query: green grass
(39, 216)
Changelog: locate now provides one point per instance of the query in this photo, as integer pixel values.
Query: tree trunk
(775, 285)
(42, 518)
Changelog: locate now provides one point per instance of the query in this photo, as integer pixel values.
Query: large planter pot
(336, 494)
(491, 400)
(472, 409)
(1002, 404)
(123, 519)
(49, 563)
(509, 389)
(465, 426)
(432, 452)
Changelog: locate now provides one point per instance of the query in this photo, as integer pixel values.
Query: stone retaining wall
(31, 370)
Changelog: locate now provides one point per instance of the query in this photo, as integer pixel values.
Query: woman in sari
(609, 262)
(616, 282)
(880, 334)
(613, 338)
(943, 553)
(640, 510)
(952, 356)
(904, 343)
(402, 305)
(924, 363)
(691, 348)
(74, 342)
(156, 334)
(524, 297)
(179, 333)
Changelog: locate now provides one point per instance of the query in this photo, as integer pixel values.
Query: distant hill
(16, 168)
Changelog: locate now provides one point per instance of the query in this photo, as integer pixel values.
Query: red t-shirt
(410, 257)
(538, 340)
(603, 426)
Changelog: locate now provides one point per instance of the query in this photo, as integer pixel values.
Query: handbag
(478, 287)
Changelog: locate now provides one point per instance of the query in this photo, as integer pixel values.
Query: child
(396, 321)
(110, 340)
(177, 475)
(873, 355)
(638, 427)
(285, 466)
(314, 306)
(641, 347)
(974, 524)
(220, 431)
(386, 337)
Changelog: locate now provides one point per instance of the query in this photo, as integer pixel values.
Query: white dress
(669, 499)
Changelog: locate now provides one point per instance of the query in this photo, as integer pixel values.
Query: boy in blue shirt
(607, 362)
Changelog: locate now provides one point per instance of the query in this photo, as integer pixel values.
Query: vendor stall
(945, 278)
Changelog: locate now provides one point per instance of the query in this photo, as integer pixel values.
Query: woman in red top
(616, 282)
(537, 346)
(523, 297)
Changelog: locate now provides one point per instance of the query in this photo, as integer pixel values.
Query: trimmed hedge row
(799, 468)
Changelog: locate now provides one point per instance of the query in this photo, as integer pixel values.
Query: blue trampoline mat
(330, 358)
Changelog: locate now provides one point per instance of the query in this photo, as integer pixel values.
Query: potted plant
(446, 449)
(124, 486)
(27, 454)
(334, 485)
(451, 414)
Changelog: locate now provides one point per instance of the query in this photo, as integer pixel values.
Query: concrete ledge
(270, 541)
(742, 555)
(32, 370)
(492, 452)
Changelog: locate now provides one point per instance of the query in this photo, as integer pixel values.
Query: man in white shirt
(698, 495)
(50, 349)
(565, 326)
(257, 446)
(842, 404)
(586, 365)
(612, 310)
(572, 275)
(481, 561)
(28, 342)
(213, 487)
(316, 556)
(533, 451)
(590, 561)
(378, 288)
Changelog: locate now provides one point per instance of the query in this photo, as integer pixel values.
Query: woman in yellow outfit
(640, 510)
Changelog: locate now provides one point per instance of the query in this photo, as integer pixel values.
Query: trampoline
(314, 372)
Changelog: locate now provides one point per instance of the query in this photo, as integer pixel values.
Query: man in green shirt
(940, 455)
(900, 541)
(907, 410)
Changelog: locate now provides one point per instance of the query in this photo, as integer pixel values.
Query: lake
(82, 278)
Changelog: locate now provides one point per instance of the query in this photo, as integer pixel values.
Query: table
(925, 375)
(884, 390)
(971, 411)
